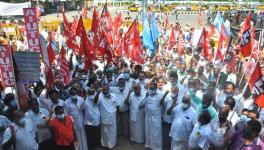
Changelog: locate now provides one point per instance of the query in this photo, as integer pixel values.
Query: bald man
(135, 101)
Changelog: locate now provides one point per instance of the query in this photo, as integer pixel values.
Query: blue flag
(218, 21)
(154, 31)
(147, 40)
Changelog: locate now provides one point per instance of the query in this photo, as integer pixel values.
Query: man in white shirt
(153, 122)
(184, 119)
(220, 128)
(92, 120)
(173, 81)
(142, 80)
(74, 106)
(232, 115)
(101, 63)
(170, 102)
(136, 101)
(25, 135)
(126, 75)
(121, 93)
(229, 91)
(199, 137)
(107, 103)
(38, 118)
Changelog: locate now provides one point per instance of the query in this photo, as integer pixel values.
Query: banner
(13, 9)
(7, 74)
(28, 64)
(32, 29)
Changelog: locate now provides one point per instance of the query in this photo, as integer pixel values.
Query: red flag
(80, 27)
(74, 25)
(68, 32)
(256, 84)
(181, 42)
(132, 43)
(64, 71)
(204, 43)
(67, 29)
(172, 40)
(105, 47)
(84, 11)
(256, 75)
(107, 24)
(106, 20)
(117, 37)
(220, 47)
(51, 53)
(245, 39)
(87, 50)
(95, 28)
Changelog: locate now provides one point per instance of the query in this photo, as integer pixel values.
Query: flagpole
(218, 77)
(16, 95)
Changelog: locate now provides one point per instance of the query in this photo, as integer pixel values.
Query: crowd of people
(176, 100)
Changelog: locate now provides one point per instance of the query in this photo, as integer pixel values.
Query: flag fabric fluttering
(230, 52)
(51, 57)
(106, 19)
(229, 58)
(68, 33)
(172, 40)
(147, 40)
(256, 85)
(95, 29)
(219, 53)
(80, 27)
(86, 49)
(64, 70)
(74, 25)
(51, 54)
(154, 31)
(245, 39)
(105, 47)
(132, 44)
(211, 31)
(107, 25)
(117, 41)
(204, 43)
(218, 21)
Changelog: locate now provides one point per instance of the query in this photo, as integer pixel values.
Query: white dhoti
(179, 145)
(137, 131)
(108, 135)
(82, 138)
(153, 133)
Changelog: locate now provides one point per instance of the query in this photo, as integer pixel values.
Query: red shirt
(64, 134)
